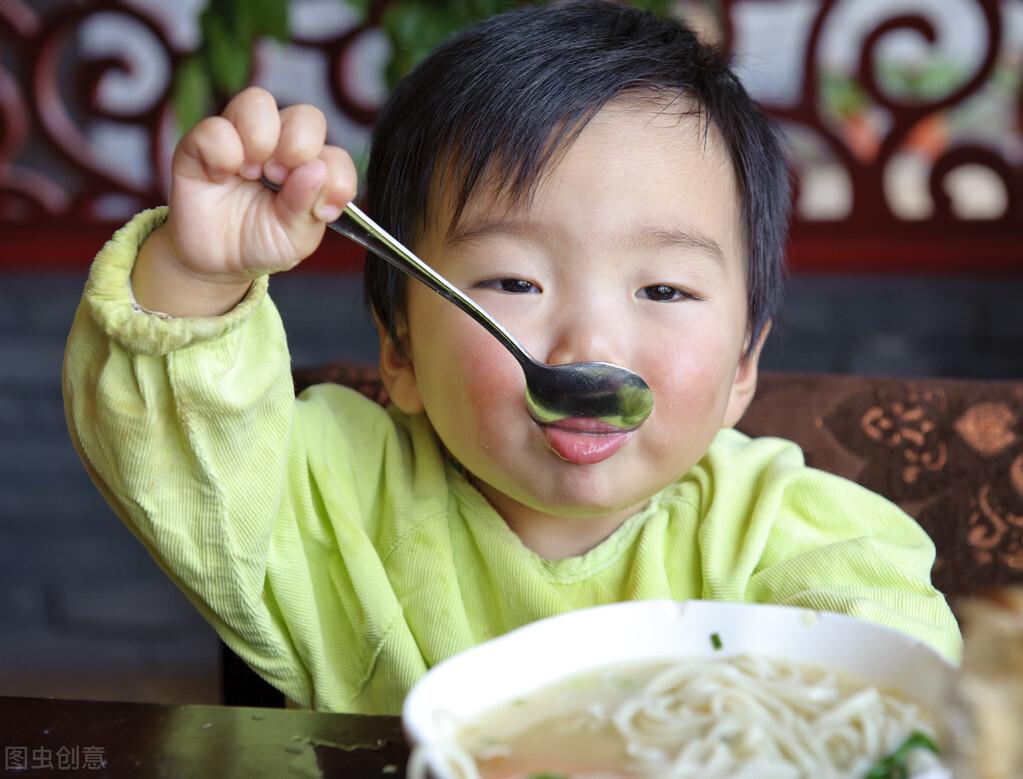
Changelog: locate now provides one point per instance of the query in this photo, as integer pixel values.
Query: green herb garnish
(715, 641)
(546, 776)
(894, 766)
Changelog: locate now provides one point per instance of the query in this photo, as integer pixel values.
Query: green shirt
(333, 547)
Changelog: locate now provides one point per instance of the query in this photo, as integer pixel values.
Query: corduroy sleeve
(184, 426)
(837, 546)
(777, 531)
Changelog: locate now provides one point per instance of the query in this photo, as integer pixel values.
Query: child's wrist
(161, 285)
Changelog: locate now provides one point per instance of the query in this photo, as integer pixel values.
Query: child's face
(641, 205)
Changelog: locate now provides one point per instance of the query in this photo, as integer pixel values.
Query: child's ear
(397, 372)
(745, 383)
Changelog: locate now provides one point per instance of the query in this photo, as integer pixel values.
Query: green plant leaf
(238, 18)
(192, 92)
(661, 7)
(841, 95)
(227, 55)
(414, 28)
(360, 6)
(269, 17)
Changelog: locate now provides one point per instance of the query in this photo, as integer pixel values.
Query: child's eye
(514, 286)
(665, 293)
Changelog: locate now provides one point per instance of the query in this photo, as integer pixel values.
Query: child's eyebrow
(460, 233)
(646, 236)
(679, 238)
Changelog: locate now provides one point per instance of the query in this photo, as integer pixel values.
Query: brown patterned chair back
(949, 452)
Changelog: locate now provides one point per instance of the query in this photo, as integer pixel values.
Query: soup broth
(699, 717)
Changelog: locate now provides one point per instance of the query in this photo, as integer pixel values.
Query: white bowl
(534, 656)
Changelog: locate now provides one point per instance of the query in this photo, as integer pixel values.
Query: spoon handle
(357, 226)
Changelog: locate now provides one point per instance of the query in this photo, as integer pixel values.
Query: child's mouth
(584, 441)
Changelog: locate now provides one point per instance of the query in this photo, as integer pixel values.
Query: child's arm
(188, 425)
(779, 532)
(837, 546)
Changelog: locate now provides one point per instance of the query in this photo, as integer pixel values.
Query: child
(600, 182)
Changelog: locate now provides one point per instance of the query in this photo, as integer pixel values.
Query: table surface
(48, 736)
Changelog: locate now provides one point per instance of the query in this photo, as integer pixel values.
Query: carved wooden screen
(894, 172)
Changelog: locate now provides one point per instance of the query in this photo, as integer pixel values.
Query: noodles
(700, 718)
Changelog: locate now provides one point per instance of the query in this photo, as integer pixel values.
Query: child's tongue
(584, 441)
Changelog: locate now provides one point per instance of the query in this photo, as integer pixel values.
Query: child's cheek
(494, 387)
(689, 385)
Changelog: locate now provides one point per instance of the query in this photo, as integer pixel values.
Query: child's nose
(586, 334)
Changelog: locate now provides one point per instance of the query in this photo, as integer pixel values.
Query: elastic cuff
(110, 300)
(138, 308)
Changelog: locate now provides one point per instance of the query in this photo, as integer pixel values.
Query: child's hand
(224, 223)
(224, 227)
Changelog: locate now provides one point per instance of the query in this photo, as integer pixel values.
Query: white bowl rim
(878, 654)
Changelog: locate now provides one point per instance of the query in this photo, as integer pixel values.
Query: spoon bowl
(595, 390)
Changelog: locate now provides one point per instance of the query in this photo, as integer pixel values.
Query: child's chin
(585, 505)
(595, 493)
(575, 497)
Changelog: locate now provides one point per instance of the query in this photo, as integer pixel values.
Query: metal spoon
(597, 390)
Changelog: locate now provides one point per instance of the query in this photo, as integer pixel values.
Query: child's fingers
(340, 185)
(210, 151)
(303, 132)
(294, 203)
(253, 112)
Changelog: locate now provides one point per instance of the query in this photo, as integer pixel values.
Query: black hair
(502, 99)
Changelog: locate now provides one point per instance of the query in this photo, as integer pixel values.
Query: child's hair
(501, 100)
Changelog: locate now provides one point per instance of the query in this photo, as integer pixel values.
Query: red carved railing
(59, 198)
(872, 236)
